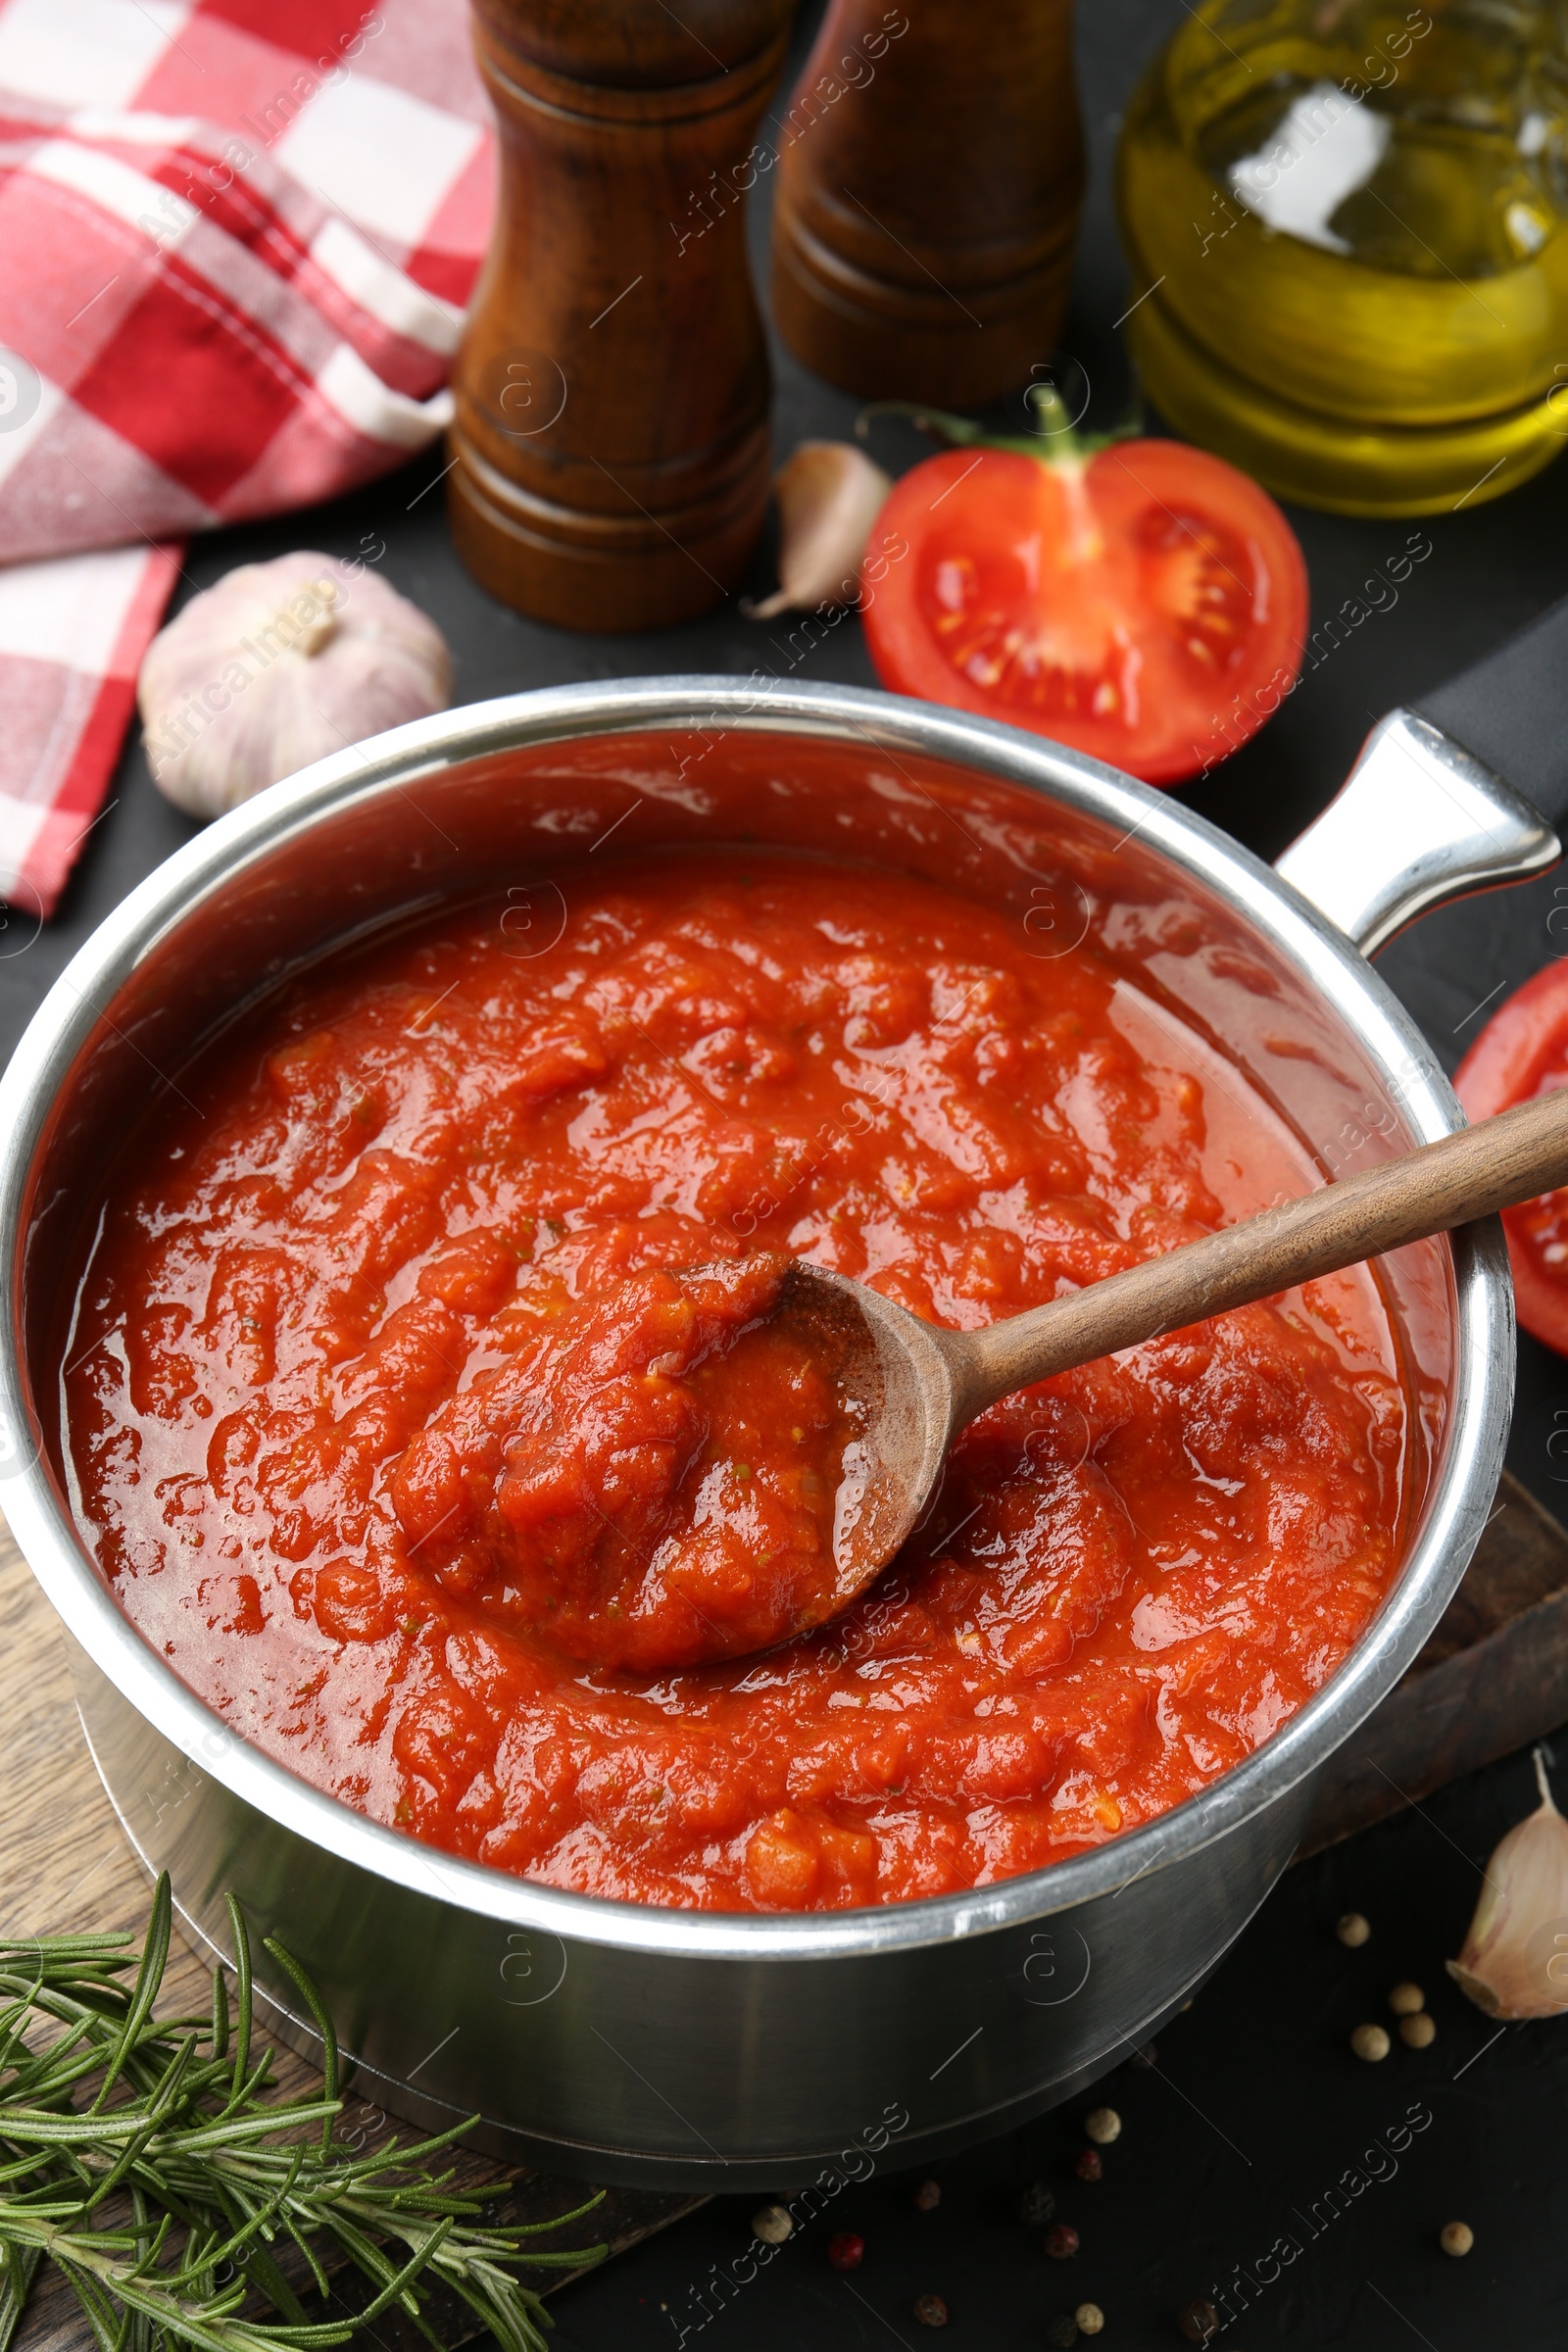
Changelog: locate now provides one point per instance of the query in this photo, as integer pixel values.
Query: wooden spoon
(917, 1385)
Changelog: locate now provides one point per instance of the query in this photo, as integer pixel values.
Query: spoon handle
(1492, 1166)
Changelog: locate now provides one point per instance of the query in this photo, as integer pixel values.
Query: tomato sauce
(406, 1431)
(652, 1483)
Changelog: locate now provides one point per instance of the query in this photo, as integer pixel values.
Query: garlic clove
(1515, 1958)
(276, 665)
(829, 494)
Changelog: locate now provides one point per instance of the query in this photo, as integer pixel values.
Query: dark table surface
(1255, 2106)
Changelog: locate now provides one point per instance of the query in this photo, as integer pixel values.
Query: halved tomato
(1146, 603)
(1521, 1053)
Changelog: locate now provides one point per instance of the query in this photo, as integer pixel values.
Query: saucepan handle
(1426, 815)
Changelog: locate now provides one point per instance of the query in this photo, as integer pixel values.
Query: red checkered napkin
(235, 236)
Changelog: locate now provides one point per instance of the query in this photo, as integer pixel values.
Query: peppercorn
(1405, 2000)
(1087, 2164)
(846, 2251)
(772, 2223)
(1037, 2205)
(930, 2311)
(927, 2198)
(1145, 2055)
(1456, 2237)
(1370, 2042)
(1102, 2125)
(1352, 1929)
(1418, 2031)
(1062, 2239)
(1090, 2318)
(1199, 2322)
(1062, 2330)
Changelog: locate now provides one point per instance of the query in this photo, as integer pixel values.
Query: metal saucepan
(730, 2050)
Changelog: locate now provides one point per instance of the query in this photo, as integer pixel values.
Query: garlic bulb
(829, 494)
(1515, 1957)
(276, 665)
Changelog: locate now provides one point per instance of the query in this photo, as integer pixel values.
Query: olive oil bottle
(1346, 222)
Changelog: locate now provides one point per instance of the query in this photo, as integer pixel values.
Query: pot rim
(1457, 1509)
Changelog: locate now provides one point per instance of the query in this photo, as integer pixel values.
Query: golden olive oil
(1346, 222)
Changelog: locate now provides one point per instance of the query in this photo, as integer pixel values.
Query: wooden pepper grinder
(930, 174)
(611, 438)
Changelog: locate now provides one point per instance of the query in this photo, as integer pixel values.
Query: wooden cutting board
(1493, 1676)
(64, 1866)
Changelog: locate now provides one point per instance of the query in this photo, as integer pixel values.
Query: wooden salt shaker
(610, 435)
(929, 179)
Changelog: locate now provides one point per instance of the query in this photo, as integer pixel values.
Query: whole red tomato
(1139, 599)
(1521, 1053)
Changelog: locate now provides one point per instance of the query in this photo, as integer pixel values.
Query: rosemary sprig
(146, 2161)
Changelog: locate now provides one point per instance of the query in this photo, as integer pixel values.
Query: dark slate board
(1255, 2107)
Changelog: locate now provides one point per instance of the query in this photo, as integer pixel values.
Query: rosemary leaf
(150, 2165)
